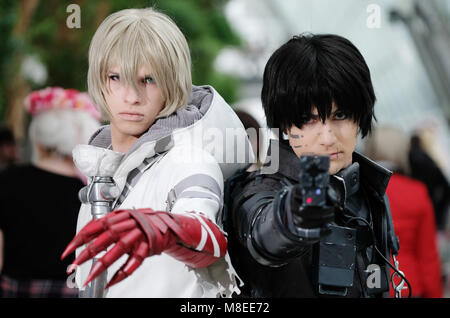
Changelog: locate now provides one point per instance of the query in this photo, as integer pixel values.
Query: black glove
(309, 222)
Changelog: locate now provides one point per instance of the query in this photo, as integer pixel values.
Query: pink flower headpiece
(59, 98)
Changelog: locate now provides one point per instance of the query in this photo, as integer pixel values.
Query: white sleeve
(195, 183)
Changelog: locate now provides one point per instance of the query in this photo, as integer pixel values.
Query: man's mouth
(131, 116)
(335, 155)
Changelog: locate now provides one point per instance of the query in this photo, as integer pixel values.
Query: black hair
(313, 71)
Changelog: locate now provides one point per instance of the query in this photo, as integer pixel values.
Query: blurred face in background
(336, 137)
(9, 153)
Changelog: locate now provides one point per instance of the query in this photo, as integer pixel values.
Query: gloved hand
(140, 233)
(309, 222)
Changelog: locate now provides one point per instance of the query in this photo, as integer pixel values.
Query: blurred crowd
(39, 195)
(419, 197)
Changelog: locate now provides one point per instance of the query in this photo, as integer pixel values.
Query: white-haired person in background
(166, 136)
(39, 200)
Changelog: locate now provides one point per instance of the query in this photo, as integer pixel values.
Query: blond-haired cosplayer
(132, 38)
(162, 236)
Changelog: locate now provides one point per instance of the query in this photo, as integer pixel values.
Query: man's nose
(130, 95)
(326, 134)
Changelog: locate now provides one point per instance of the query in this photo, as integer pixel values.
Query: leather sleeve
(257, 223)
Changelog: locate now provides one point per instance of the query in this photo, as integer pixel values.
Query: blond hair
(134, 38)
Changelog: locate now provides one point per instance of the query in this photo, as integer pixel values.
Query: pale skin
(131, 113)
(336, 137)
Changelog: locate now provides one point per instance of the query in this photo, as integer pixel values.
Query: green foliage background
(64, 51)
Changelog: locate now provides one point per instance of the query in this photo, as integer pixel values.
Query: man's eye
(148, 80)
(340, 116)
(114, 77)
(310, 119)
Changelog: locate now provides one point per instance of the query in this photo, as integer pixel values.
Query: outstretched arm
(189, 237)
(275, 227)
(173, 212)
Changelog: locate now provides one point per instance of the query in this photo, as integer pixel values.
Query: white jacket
(203, 144)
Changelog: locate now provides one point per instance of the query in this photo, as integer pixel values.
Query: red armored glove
(190, 238)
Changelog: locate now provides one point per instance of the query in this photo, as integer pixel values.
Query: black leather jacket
(273, 264)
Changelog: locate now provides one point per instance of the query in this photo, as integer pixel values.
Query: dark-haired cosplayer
(317, 90)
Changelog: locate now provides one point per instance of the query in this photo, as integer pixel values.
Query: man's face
(335, 138)
(131, 114)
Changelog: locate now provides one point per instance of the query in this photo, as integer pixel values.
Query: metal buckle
(401, 285)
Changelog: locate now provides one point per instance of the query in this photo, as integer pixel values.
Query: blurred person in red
(39, 200)
(412, 213)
